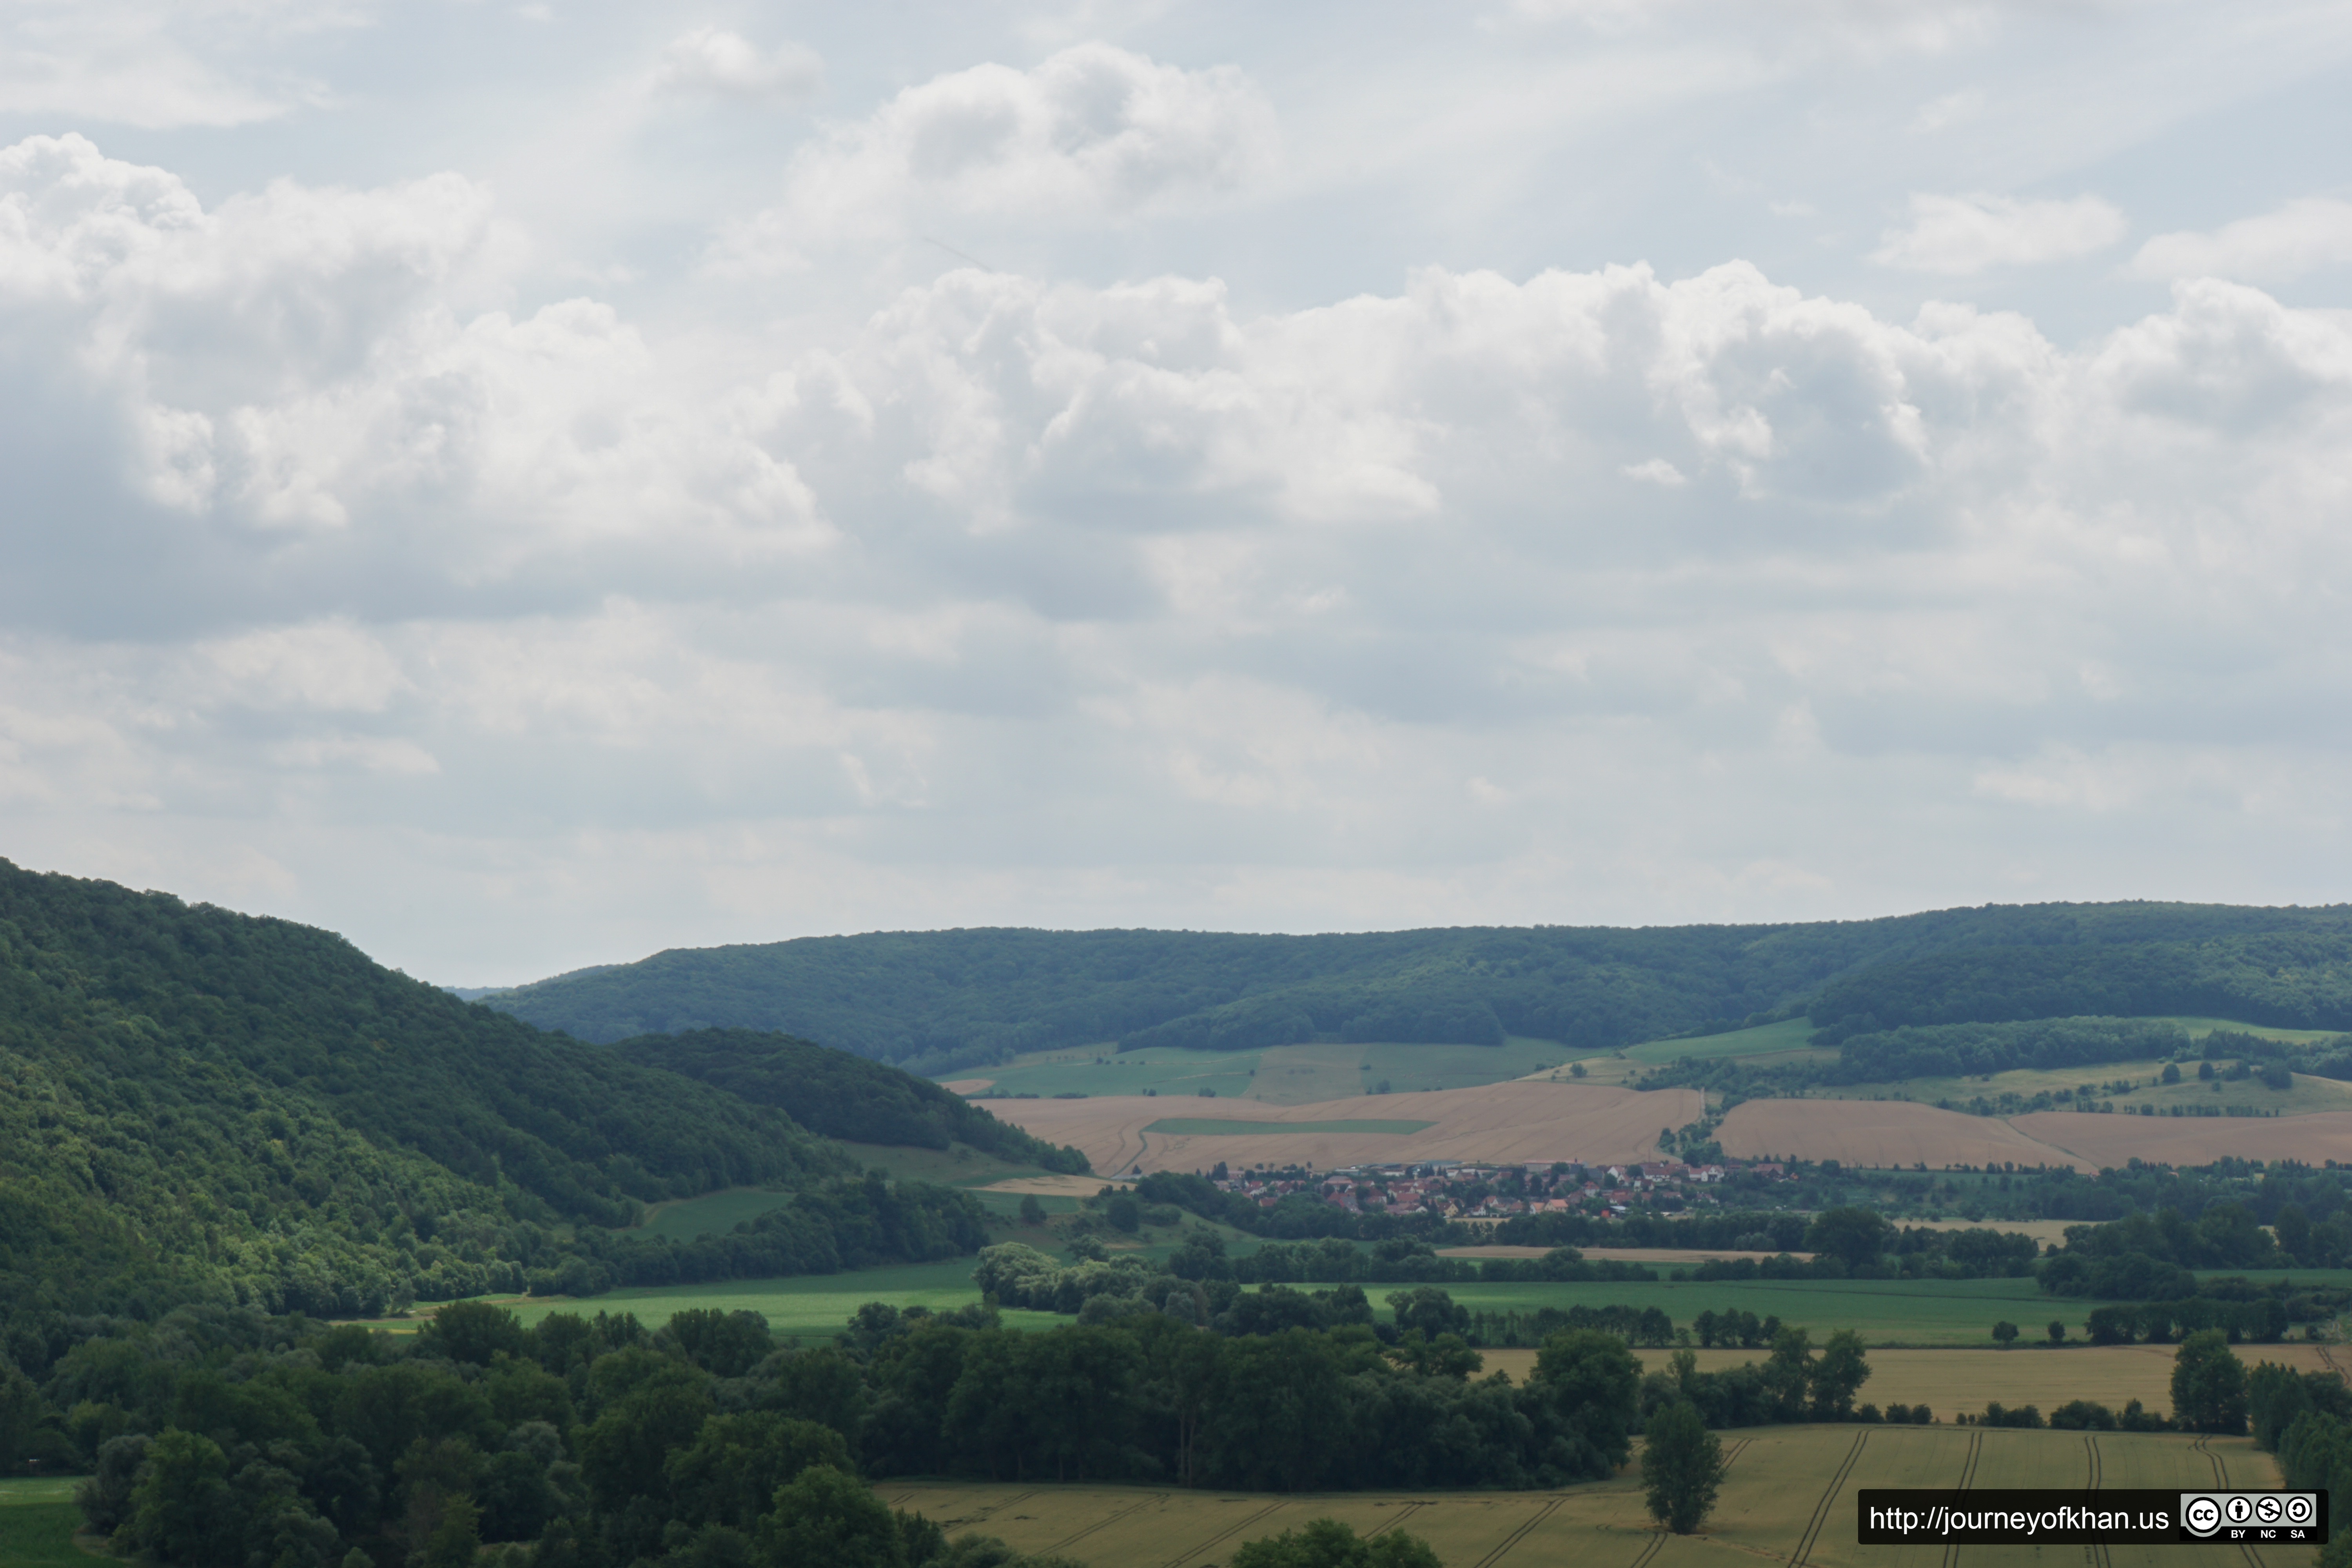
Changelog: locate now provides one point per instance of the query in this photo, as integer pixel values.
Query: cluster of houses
(1454, 1190)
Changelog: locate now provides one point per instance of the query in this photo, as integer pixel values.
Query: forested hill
(843, 1096)
(934, 1000)
(202, 1105)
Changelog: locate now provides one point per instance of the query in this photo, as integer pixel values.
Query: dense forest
(197, 1106)
(937, 1000)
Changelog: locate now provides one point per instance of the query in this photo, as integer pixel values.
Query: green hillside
(842, 1096)
(202, 1106)
(937, 1001)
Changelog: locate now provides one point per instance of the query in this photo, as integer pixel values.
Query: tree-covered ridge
(197, 1105)
(840, 1095)
(2297, 975)
(939, 999)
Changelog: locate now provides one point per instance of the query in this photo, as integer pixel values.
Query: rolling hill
(935, 1001)
(199, 1105)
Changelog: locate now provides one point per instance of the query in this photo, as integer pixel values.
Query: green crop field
(1212, 1127)
(810, 1306)
(1280, 1075)
(1788, 1498)
(38, 1521)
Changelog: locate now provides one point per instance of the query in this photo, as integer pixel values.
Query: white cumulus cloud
(1091, 133)
(1965, 234)
(2301, 236)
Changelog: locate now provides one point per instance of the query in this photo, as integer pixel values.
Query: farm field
(1501, 1121)
(1949, 1382)
(38, 1521)
(1279, 1075)
(2187, 1141)
(2307, 1094)
(1893, 1133)
(1956, 1312)
(1789, 1496)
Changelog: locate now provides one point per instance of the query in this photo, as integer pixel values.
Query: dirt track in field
(1500, 1122)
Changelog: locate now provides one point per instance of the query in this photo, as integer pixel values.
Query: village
(1467, 1192)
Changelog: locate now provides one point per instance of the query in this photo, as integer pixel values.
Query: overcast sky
(527, 486)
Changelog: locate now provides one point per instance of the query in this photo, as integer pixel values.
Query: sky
(528, 486)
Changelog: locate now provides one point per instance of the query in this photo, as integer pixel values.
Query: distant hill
(842, 1096)
(938, 1000)
(198, 1105)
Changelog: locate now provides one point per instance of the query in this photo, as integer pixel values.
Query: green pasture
(2148, 1087)
(810, 1305)
(1788, 1035)
(1279, 1075)
(38, 1521)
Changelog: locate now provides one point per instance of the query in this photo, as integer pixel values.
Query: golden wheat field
(1887, 1133)
(1788, 1498)
(1503, 1122)
(2313, 1139)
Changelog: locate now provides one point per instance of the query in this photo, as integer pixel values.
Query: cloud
(1960, 234)
(712, 60)
(159, 67)
(1094, 132)
(1080, 603)
(2300, 238)
(302, 364)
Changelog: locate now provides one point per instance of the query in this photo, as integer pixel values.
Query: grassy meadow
(38, 1521)
(1789, 1497)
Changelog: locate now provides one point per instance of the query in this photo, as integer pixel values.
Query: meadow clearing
(38, 1521)
(1788, 1498)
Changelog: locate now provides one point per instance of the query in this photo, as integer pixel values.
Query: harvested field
(1788, 1498)
(1887, 1134)
(2189, 1140)
(1503, 1122)
(965, 1085)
